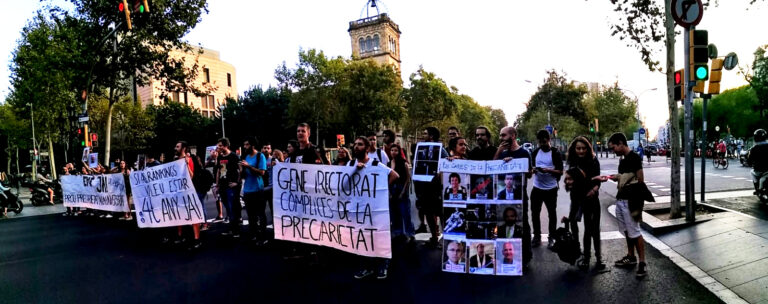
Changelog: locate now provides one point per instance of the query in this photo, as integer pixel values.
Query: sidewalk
(728, 255)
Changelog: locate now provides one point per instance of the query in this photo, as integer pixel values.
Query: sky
(498, 52)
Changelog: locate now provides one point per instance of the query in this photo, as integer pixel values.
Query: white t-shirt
(541, 180)
(375, 155)
(353, 162)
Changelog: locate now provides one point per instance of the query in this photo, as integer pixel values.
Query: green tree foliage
(261, 113)
(428, 102)
(758, 79)
(132, 126)
(14, 133)
(560, 96)
(614, 110)
(734, 109)
(176, 121)
(370, 96)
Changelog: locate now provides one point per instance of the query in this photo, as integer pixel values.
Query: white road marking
(657, 186)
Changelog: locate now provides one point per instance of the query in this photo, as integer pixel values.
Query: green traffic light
(701, 73)
(82, 143)
(141, 8)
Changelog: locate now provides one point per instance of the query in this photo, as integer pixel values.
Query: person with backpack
(374, 152)
(254, 166)
(548, 167)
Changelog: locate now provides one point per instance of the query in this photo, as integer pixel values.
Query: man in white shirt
(374, 152)
(548, 167)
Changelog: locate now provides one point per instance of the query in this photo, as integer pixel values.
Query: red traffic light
(79, 131)
(678, 77)
(120, 7)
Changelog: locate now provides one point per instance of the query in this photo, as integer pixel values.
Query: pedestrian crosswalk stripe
(657, 186)
(727, 176)
(665, 189)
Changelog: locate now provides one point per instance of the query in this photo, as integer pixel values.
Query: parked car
(652, 150)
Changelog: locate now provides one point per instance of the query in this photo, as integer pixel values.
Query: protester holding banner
(290, 151)
(181, 151)
(342, 157)
(457, 147)
(361, 160)
(428, 193)
(509, 149)
(307, 154)
(400, 203)
(123, 169)
(582, 157)
(548, 167)
(254, 166)
(228, 182)
(484, 149)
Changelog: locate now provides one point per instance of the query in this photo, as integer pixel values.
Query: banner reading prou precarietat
(341, 207)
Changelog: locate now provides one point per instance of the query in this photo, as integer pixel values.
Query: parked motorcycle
(761, 182)
(40, 195)
(10, 200)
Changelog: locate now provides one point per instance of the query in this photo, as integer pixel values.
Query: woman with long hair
(399, 202)
(342, 157)
(277, 156)
(291, 149)
(123, 169)
(457, 147)
(581, 156)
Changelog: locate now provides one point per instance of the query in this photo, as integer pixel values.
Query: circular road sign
(731, 61)
(687, 13)
(641, 131)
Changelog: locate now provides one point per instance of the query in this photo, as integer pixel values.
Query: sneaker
(536, 242)
(218, 219)
(363, 273)
(236, 235)
(550, 243)
(195, 245)
(108, 216)
(599, 265)
(204, 227)
(226, 221)
(65, 214)
(641, 270)
(382, 273)
(626, 261)
(422, 229)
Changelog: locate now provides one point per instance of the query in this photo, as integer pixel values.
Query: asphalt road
(55, 259)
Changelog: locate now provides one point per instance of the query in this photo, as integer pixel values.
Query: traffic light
(679, 88)
(591, 127)
(81, 136)
(699, 55)
(143, 6)
(716, 75)
(123, 7)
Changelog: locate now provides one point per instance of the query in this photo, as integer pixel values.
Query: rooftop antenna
(375, 4)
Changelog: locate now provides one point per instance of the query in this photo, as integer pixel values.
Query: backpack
(353, 162)
(202, 179)
(566, 245)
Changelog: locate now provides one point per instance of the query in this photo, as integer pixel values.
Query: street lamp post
(34, 142)
(224, 135)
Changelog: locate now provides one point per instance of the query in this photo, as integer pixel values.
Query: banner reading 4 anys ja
(341, 207)
(164, 196)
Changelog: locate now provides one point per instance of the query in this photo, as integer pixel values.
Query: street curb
(717, 288)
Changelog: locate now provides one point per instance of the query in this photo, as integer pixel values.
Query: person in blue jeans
(228, 182)
(254, 166)
(400, 203)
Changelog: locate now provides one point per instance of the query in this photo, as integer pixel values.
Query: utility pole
(690, 196)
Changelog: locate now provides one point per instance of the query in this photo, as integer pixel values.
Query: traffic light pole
(704, 141)
(690, 195)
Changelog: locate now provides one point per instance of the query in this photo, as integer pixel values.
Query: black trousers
(256, 206)
(592, 227)
(548, 198)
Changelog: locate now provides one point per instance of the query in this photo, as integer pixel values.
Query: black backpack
(353, 162)
(566, 245)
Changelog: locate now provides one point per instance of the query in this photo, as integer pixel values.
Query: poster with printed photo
(509, 257)
(510, 221)
(509, 187)
(425, 160)
(457, 187)
(481, 221)
(481, 257)
(481, 187)
(455, 220)
(454, 256)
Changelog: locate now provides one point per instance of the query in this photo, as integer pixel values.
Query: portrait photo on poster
(509, 187)
(510, 221)
(425, 160)
(481, 221)
(455, 219)
(455, 186)
(481, 187)
(454, 259)
(481, 257)
(509, 259)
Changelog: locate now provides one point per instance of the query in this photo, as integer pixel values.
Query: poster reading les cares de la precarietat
(483, 212)
(342, 207)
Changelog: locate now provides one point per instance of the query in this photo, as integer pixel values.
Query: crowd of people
(246, 176)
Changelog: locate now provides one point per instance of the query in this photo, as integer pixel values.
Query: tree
(615, 111)
(428, 101)
(176, 121)
(758, 79)
(369, 96)
(560, 96)
(261, 113)
(15, 132)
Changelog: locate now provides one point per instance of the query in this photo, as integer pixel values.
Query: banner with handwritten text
(335, 206)
(103, 192)
(164, 196)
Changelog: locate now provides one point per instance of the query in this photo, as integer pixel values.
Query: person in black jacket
(585, 197)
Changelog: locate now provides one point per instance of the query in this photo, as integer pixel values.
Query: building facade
(377, 38)
(213, 73)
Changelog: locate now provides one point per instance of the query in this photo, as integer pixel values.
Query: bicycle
(720, 161)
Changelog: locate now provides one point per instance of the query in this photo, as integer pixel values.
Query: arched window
(376, 42)
(361, 44)
(368, 44)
